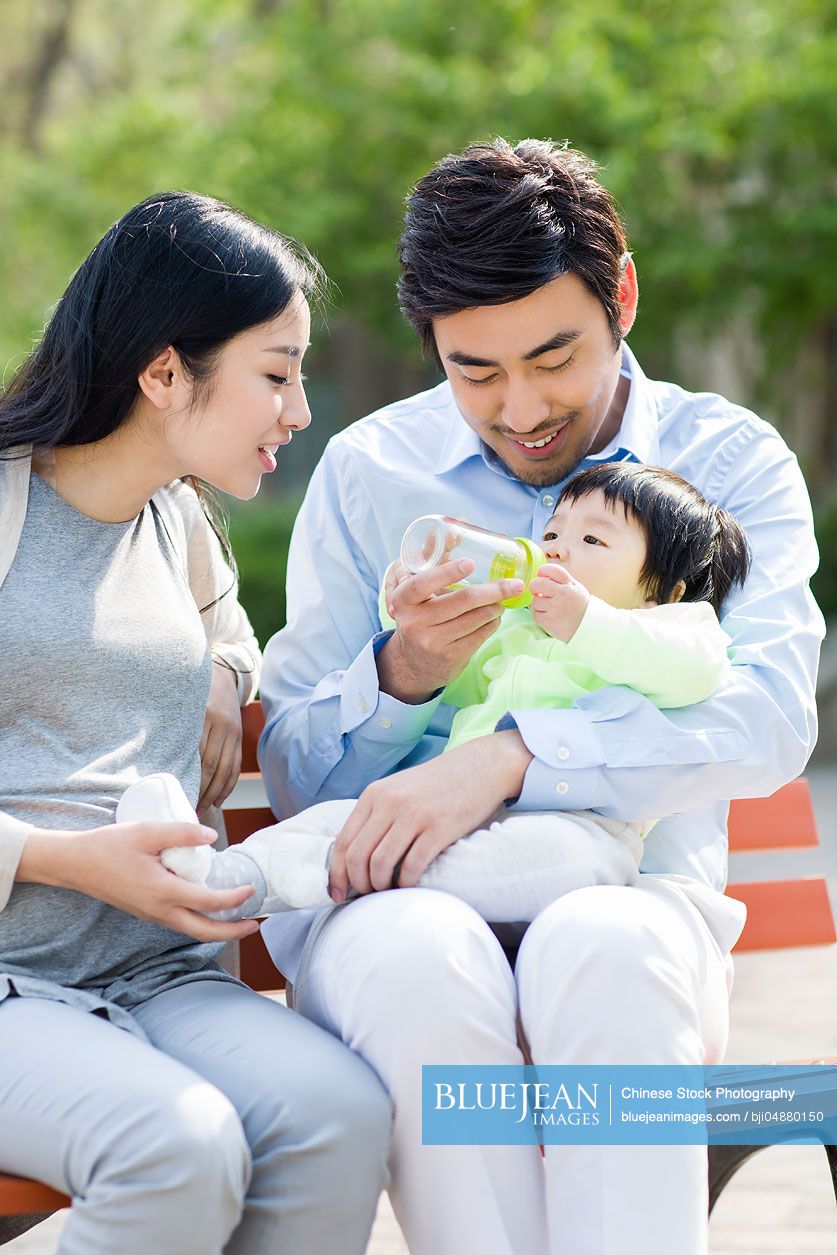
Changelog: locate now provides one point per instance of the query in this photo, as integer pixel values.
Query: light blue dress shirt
(330, 731)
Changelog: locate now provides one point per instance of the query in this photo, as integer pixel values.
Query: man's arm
(329, 729)
(614, 751)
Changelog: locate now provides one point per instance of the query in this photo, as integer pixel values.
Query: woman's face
(254, 402)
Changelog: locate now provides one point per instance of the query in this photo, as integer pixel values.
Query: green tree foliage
(714, 122)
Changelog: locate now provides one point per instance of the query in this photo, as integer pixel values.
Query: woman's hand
(120, 864)
(410, 817)
(221, 740)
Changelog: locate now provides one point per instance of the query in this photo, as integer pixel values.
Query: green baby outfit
(675, 655)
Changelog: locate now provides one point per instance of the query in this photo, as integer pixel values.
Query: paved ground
(783, 1007)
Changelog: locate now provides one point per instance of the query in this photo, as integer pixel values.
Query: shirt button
(563, 753)
(562, 787)
(384, 722)
(363, 705)
(548, 501)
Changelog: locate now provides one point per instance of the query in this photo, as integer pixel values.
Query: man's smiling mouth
(542, 446)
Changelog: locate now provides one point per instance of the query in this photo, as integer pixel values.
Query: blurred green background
(714, 122)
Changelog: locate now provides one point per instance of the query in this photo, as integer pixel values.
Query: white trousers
(606, 974)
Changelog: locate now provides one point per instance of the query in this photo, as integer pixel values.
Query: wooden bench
(780, 913)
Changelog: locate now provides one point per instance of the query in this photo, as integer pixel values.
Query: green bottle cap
(536, 558)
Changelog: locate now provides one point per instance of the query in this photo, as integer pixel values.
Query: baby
(640, 564)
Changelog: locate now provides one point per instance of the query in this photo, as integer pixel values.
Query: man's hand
(438, 629)
(220, 747)
(559, 601)
(410, 817)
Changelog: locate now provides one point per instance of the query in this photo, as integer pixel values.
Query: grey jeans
(241, 1129)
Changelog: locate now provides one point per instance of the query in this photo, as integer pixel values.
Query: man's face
(543, 368)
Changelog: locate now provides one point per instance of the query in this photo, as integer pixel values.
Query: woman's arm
(236, 659)
(215, 590)
(119, 864)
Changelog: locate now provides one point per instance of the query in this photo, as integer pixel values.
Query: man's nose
(524, 408)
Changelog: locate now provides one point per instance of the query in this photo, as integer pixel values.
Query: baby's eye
(550, 536)
(594, 539)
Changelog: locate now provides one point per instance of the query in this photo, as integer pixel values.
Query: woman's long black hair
(178, 269)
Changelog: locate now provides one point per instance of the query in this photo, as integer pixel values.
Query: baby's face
(601, 546)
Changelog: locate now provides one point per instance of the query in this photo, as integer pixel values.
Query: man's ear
(162, 381)
(628, 296)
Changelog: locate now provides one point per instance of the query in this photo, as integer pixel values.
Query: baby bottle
(436, 538)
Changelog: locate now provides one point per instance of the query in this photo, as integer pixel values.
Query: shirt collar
(638, 434)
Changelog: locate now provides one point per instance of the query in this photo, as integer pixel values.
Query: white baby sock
(160, 799)
(287, 864)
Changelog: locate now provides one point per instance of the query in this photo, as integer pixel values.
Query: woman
(184, 1113)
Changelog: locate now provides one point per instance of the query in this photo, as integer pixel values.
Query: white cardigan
(227, 627)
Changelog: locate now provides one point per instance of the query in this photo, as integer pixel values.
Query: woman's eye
(283, 381)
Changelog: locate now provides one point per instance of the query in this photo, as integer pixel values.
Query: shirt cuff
(379, 716)
(568, 754)
(13, 834)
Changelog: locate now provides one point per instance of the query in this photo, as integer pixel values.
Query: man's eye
(553, 370)
(479, 382)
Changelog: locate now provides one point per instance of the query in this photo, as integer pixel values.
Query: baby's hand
(559, 601)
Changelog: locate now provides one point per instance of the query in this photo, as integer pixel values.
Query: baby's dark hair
(688, 538)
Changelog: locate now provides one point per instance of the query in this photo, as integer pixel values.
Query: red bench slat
(783, 821)
(785, 913)
(19, 1196)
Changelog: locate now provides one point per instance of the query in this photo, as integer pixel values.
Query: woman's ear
(678, 591)
(163, 382)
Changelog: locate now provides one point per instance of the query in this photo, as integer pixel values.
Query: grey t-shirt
(105, 678)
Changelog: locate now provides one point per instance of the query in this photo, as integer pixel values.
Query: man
(516, 276)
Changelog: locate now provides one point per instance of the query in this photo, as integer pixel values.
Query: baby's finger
(555, 572)
(543, 589)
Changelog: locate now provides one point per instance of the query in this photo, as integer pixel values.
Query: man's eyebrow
(559, 341)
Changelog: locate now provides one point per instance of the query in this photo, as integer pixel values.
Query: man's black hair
(494, 223)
